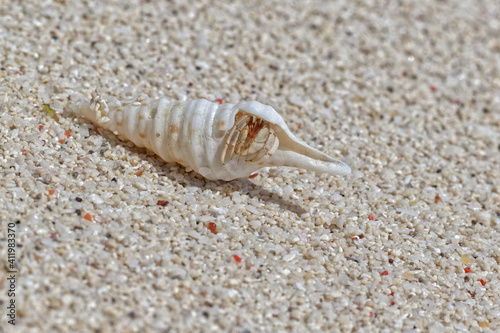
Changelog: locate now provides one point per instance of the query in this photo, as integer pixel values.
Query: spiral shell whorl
(165, 127)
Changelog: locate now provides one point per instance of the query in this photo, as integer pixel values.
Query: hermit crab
(218, 141)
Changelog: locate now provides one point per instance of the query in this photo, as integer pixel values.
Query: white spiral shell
(202, 136)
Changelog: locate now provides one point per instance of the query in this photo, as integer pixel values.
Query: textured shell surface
(218, 141)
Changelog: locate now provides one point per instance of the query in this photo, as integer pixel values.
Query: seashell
(218, 141)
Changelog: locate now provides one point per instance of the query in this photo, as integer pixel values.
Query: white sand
(408, 95)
